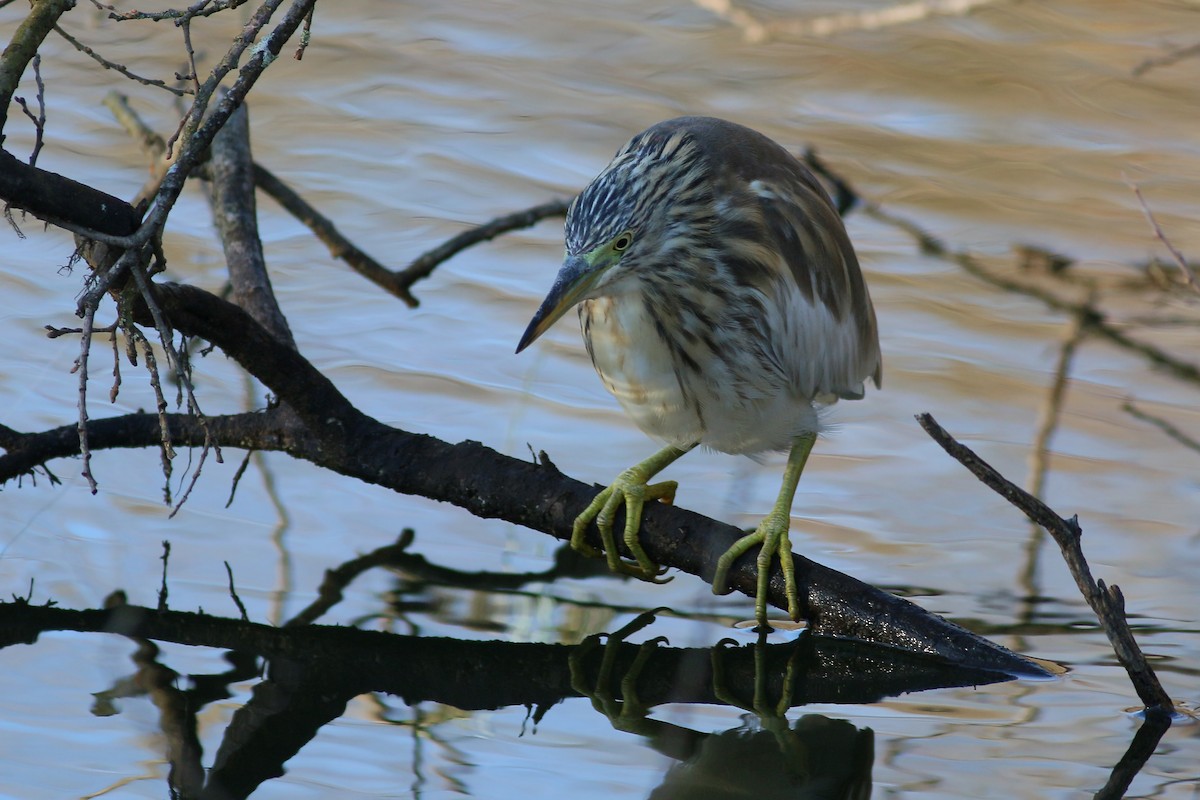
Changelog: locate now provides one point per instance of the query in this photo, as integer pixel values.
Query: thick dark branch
(1106, 601)
(491, 485)
(58, 200)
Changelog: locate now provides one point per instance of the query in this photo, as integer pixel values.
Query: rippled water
(407, 123)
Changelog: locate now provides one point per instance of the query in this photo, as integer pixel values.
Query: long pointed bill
(574, 280)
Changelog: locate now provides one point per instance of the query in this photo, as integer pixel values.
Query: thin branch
(1185, 268)
(424, 264)
(107, 64)
(233, 593)
(1106, 601)
(305, 35)
(81, 365)
(205, 8)
(166, 449)
(39, 119)
(339, 246)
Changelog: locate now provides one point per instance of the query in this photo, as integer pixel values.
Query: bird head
(622, 222)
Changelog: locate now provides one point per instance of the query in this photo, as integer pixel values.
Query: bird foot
(772, 534)
(631, 490)
(628, 713)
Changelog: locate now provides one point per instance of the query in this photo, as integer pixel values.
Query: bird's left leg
(632, 489)
(772, 534)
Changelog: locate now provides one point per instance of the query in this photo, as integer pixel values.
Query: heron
(722, 304)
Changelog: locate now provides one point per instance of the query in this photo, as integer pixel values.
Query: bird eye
(623, 241)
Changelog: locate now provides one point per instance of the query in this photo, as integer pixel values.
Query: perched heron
(722, 304)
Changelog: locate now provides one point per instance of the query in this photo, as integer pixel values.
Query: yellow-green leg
(772, 534)
(631, 489)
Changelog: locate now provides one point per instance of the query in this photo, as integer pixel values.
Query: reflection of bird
(722, 303)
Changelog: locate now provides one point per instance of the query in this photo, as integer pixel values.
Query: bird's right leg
(631, 489)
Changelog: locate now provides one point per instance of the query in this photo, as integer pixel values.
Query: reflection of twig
(1166, 60)
(162, 589)
(1093, 319)
(900, 14)
(1048, 416)
(1106, 601)
(1144, 743)
(1188, 274)
(1164, 426)
(330, 593)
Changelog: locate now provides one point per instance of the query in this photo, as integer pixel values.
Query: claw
(772, 535)
(632, 491)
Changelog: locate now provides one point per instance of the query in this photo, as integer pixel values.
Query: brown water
(407, 123)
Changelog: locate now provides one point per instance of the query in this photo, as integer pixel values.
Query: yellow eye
(623, 241)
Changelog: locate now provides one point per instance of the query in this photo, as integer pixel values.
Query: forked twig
(1106, 601)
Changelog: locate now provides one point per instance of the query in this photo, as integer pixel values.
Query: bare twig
(201, 9)
(187, 492)
(233, 593)
(424, 264)
(201, 123)
(107, 64)
(237, 476)
(165, 448)
(339, 246)
(1106, 601)
(1185, 268)
(116, 387)
(185, 26)
(39, 119)
(81, 365)
(305, 34)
